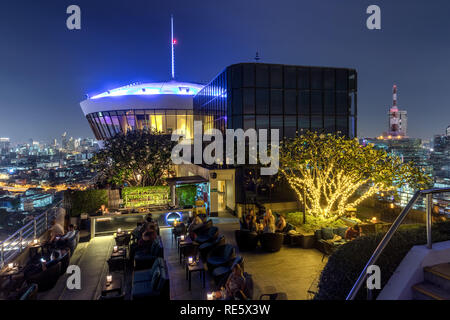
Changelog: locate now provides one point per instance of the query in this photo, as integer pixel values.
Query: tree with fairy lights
(331, 173)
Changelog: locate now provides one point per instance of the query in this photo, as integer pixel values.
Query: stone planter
(308, 240)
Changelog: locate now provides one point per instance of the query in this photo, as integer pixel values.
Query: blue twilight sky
(45, 69)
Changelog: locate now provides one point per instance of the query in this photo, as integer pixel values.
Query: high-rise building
(440, 158)
(398, 119)
(4, 146)
(285, 97)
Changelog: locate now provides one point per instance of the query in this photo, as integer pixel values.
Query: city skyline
(42, 88)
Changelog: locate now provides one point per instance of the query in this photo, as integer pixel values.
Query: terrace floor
(291, 270)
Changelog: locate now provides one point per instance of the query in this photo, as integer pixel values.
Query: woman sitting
(353, 232)
(234, 287)
(281, 224)
(269, 223)
(196, 222)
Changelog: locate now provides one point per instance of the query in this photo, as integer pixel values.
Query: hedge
(186, 195)
(86, 201)
(134, 197)
(347, 262)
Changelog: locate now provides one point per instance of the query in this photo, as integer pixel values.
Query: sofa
(325, 239)
(206, 247)
(210, 235)
(144, 258)
(272, 242)
(220, 256)
(152, 282)
(221, 274)
(246, 240)
(47, 278)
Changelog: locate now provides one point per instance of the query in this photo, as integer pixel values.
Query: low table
(195, 267)
(118, 260)
(114, 287)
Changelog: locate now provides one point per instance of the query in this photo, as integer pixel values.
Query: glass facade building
(284, 97)
(106, 124)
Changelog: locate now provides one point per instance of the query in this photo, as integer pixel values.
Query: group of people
(268, 224)
(149, 233)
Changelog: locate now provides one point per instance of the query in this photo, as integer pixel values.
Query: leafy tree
(138, 158)
(336, 173)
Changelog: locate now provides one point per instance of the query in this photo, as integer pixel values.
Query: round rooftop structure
(160, 106)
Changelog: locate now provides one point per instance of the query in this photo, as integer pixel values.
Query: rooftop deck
(291, 270)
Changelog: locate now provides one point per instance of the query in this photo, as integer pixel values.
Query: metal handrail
(12, 246)
(388, 236)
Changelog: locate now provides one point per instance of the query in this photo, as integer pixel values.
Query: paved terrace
(291, 270)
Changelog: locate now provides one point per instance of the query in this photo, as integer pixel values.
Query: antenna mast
(172, 44)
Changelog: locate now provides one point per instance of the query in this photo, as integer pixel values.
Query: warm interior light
(10, 265)
(190, 260)
(109, 279)
(182, 237)
(115, 249)
(209, 296)
(374, 219)
(392, 206)
(35, 241)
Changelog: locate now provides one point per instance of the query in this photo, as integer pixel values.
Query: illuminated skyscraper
(398, 119)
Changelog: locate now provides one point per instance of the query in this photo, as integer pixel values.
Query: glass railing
(16, 243)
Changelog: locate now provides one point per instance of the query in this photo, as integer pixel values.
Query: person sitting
(147, 240)
(63, 241)
(234, 287)
(250, 223)
(353, 232)
(281, 224)
(268, 225)
(56, 231)
(196, 222)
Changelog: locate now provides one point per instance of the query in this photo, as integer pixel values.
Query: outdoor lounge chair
(220, 256)
(47, 278)
(206, 247)
(272, 242)
(246, 240)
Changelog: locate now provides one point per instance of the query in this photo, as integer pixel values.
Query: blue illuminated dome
(170, 87)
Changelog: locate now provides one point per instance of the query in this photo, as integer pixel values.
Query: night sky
(45, 69)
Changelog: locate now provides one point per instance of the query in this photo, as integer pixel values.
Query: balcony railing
(428, 194)
(15, 244)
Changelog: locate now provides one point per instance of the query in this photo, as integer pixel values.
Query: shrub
(347, 262)
(134, 197)
(312, 223)
(86, 201)
(186, 195)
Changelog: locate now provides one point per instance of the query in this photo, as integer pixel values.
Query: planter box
(308, 241)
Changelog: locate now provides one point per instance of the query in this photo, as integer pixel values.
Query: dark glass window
(303, 123)
(276, 77)
(341, 79)
(249, 75)
(249, 122)
(237, 101)
(262, 101)
(236, 76)
(290, 102)
(303, 102)
(249, 101)
(276, 101)
(303, 78)
(237, 122)
(329, 100)
(341, 103)
(276, 122)
(262, 76)
(316, 123)
(316, 102)
(329, 124)
(342, 124)
(352, 80)
(290, 78)
(329, 79)
(290, 126)
(316, 79)
(262, 122)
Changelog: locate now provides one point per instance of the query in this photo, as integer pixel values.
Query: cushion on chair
(327, 233)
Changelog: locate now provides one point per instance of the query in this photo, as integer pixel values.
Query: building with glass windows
(161, 106)
(284, 97)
